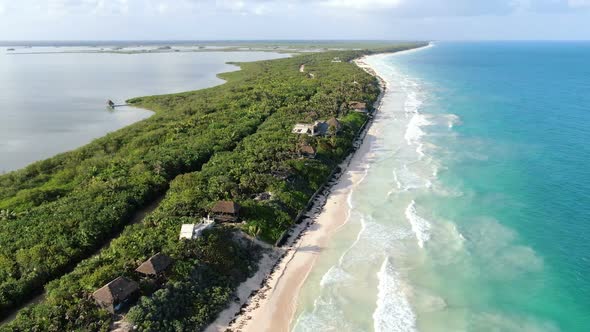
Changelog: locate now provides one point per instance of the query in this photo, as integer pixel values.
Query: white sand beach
(273, 306)
(268, 300)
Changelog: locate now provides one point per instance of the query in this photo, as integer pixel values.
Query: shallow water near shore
(52, 103)
(473, 213)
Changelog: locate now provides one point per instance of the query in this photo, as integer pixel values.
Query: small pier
(112, 105)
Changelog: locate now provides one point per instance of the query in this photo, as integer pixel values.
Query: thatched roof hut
(155, 265)
(333, 122)
(306, 150)
(229, 207)
(227, 211)
(116, 293)
(357, 106)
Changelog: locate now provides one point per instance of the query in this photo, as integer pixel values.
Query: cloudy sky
(293, 19)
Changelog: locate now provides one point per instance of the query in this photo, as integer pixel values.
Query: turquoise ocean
(474, 213)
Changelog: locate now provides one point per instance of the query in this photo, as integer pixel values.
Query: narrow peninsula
(155, 226)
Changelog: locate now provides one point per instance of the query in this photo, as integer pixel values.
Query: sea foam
(407, 180)
(453, 120)
(420, 226)
(326, 316)
(414, 131)
(372, 239)
(412, 104)
(335, 274)
(393, 312)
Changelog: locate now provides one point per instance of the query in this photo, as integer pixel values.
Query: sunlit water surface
(51, 103)
(474, 214)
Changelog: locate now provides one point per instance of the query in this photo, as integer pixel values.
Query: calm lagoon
(55, 102)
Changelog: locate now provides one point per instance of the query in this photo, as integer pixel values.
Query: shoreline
(38, 294)
(197, 160)
(101, 121)
(268, 300)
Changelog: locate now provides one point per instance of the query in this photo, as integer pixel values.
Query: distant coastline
(147, 47)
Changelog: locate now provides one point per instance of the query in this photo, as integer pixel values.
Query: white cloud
(296, 13)
(379, 8)
(112, 6)
(162, 8)
(261, 9)
(257, 7)
(53, 8)
(283, 19)
(362, 4)
(233, 5)
(579, 3)
(242, 7)
(400, 8)
(553, 6)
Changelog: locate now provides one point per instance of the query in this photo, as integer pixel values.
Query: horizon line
(278, 40)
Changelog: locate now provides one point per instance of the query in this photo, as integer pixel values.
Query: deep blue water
(521, 158)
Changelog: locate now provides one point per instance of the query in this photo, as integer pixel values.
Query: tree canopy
(232, 141)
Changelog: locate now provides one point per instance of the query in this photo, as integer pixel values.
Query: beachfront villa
(226, 211)
(304, 129)
(358, 107)
(155, 266)
(115, 295)
(193, 231)
(328, 127)
(318, 128)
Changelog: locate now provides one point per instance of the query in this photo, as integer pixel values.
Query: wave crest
(393, 312)
(420, 226)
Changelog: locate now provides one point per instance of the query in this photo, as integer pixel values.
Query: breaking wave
(393, 312)
(420, 226)
(408, 180)
(414, 131)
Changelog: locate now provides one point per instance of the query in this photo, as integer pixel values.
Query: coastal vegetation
(232, 142)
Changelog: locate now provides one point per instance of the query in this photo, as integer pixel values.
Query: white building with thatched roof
(193, 231)
(304, 129)
(318, 128)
